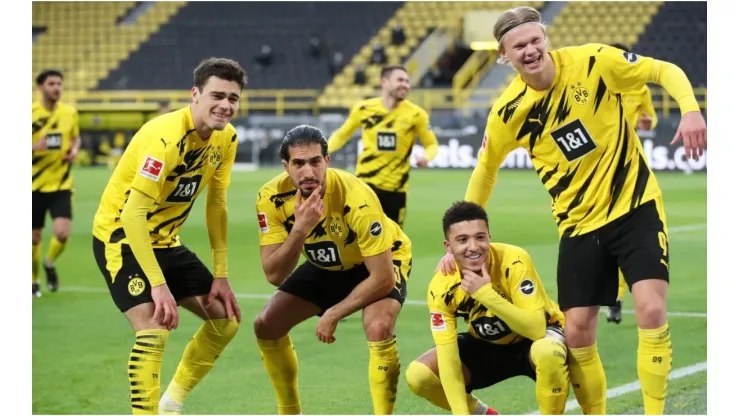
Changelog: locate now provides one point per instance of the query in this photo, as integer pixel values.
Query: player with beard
(356, 258)
(514, 328)
(55, 143)
(565, 107)
(390, 124)
(136, 241)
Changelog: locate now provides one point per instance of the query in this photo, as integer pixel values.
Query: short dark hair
(388, 70)
(301, 136)
(223, 68)
(463, 211)
(41, 78)
(620, 46)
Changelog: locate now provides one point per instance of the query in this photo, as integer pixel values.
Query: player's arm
(340, 137)
(646, 107)
(155, 163)
(76, 142)
(379, 283)
(497, 144)
(426, 136)
(444, 332)
(279, 250)
(525, 313)
(625, 71)
(217, 218)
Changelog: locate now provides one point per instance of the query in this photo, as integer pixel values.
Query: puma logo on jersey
(164, 142)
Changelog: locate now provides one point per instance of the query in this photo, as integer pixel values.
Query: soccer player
(136, 242)
(565, 107)
(639, 111)
(356, 258)
(390, 124)
(514, 329)
(56, 141)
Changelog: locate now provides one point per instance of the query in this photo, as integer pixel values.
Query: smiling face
(217, 102)
(396, 84)
(469, 242)
(525, 47)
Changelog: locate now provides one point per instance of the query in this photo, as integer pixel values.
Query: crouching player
(514, 329)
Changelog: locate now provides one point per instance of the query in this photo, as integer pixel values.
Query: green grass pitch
(81, 342)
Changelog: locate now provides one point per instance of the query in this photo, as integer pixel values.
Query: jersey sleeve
(222, 175)
(368, 222)
(442, 315)
(426, 136)
(271, 227)
(623, 71)
(646, 106)
(75, 128)
(154, 160)
(341, 136)
(525, 286)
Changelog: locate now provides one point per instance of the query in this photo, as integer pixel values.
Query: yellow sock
(424, 383)
(622, 286)
(200, 355)
(144, 367)
(56, 248)
(35, 257)
(281, 363)
(654, 359)
(553, 383)
(385, 368)
(588, 379)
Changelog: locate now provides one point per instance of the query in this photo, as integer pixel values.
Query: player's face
(397, 85)
(217, 103)
(52, 88)
(307, 168)
(469, 241)
(526, 48)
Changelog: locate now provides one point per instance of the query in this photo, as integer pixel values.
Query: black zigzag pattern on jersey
(623, 165)
(66, 173)
(563, 183)
(578, 199)
(600, 93)
(173, 221)
(39, 124)
(192, 161)
(351, 235)
(280, 199)
(539, 114)
(465, 308)
(372, 121)
(643, 175)
(507, 111)
(318, 231)
(591, 63)
(288, 223)
(450, 295)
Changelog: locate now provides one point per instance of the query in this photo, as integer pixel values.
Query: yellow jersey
(50, 171)
(638, 102)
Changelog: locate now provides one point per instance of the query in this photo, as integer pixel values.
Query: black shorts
(490, 364)
(393, 204)
(326, 288)
(589, 264)
(58, 203)
(185, 274)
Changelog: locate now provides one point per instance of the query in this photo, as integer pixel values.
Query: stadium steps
(417, 19)
(595, 22)
(73, 30)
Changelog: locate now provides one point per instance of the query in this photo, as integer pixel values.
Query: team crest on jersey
(215, 157)
(580, 93)
(152, 168)
(336, 228)
(438, 322)
(526, 287)
(136, 285)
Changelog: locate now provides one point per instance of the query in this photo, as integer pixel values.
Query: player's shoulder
(412, 108)
(346, 181)
(509, 100)
(277, 185)
(367, 104)
(441, 284)
(509, 255)
(65, 108)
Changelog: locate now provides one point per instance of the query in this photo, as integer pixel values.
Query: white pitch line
(407, 302)
(685, 228)
(635, 385)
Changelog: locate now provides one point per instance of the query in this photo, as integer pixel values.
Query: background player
(357, 258)
(565, 108)
(639, 112)
(390, 124)
(56, 141)
(136, 243)
(514, 329)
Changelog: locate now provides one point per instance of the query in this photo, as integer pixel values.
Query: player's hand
(447, 265)
(693, 129)
(39, 145)
(71, 154)
(645, 122)
(472, 281)
(308, 212)
(220, 288)
(422, 161)
(165, 307)
(326, 327)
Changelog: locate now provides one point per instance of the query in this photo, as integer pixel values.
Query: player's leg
(191, 284)
(38, 214)
(393, 204)
(642, 248)
(61, 213)
(422, 376)
(131, 293)
(614, 312)
(587, 278)
(549, 359)
(300, 297)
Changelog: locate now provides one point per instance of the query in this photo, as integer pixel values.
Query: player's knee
(580, 328)
(61, 235)
(379, 329)
(417, 376)
(549, 358)
(650, 315)
(226, 328)
(36, 238)
(263, 329)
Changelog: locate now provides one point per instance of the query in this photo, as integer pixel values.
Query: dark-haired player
(56, 141)
(356, 258)
(390, 124)
(565, 107)
(514, 328)
(136, 242)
